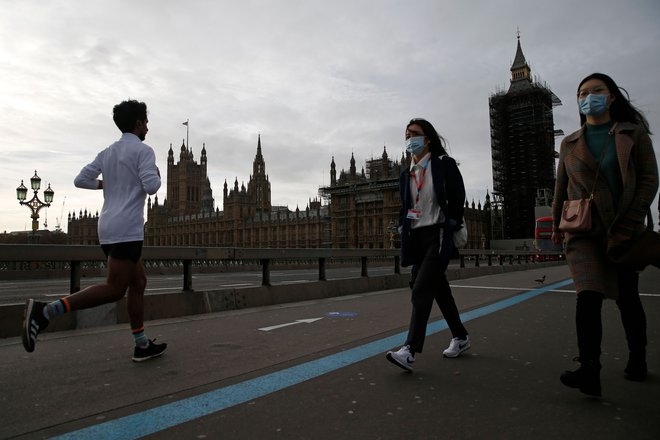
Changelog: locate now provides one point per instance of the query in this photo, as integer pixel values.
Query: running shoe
(456, 347)
(402, 358)
(34, 322)
(151, 351)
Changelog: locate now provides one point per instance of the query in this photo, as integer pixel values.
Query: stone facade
(364, 207)
(83, 229)
(357, 210)
(248, 219)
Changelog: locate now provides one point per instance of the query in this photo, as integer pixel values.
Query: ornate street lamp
(34, 203)
(392, 231)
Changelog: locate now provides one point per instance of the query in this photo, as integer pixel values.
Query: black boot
(636, 369)
(586, 378)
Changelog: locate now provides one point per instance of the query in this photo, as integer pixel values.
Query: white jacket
(129, 174)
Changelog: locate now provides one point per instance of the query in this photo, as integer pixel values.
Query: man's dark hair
(436, 142)
(621, 109)
(127, 113)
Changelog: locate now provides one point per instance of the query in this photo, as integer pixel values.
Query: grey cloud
(317, 79)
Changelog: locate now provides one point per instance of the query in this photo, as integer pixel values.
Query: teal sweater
(597, 138)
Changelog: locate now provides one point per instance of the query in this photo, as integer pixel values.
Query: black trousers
(430, 283)
(589, 324)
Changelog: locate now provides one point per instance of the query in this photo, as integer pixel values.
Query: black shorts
(130, 250)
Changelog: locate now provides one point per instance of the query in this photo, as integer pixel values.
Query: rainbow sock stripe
(56, 308)
(140, 337)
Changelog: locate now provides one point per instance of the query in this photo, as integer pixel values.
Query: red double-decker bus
(543, 242)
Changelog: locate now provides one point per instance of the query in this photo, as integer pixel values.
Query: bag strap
(602, 156)
(444, 182)
(649, 220)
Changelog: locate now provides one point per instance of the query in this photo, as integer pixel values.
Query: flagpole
(187, 134)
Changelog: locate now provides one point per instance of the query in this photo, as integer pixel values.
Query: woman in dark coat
(615, 137)
(433, 201)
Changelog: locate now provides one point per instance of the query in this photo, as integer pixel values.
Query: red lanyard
(419, 184)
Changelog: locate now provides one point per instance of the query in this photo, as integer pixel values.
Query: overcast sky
(315, 78)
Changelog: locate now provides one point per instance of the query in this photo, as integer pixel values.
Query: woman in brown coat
(615, 137)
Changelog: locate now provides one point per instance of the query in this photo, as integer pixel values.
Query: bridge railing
(75, 256)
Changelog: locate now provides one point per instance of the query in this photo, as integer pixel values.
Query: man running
(129, 173)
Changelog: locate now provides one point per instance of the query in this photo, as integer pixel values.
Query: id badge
(414, 214)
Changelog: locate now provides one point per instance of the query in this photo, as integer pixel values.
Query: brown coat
(576, 171)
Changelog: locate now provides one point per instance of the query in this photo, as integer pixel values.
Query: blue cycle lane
(169, 415)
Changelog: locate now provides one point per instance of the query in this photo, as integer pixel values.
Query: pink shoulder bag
(576, 214)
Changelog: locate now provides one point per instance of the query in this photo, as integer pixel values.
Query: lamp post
(392, 230)
(34, 203)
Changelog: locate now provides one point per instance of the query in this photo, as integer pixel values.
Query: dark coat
(450, 194)
(586, 253)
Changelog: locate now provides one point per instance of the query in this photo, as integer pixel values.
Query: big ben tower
(522, 148)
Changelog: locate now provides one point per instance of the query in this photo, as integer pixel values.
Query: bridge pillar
(187, 275)
(322, 276)
(74, 280)
(265, 272)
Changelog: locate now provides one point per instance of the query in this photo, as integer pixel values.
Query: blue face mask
(415, 145)
(593, 105)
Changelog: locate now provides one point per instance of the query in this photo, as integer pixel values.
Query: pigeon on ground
(540, 280)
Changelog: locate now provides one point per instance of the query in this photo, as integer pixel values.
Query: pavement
(317, 370)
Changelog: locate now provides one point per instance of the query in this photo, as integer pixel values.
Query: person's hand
(557, 237)
(617, 245)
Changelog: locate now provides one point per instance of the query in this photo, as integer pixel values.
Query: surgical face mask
(593, 105)
(415, 145)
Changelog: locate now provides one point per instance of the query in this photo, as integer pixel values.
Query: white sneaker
(402, 358)
(456, 347)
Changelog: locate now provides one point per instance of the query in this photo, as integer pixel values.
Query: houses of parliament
(357, 210)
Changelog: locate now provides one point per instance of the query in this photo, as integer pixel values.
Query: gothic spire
(259, 165)
(521, 73)
(333, 172)
(519, 60)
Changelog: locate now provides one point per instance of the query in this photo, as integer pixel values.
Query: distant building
(361, 210)
(83, 229)
(364, 207)
(523, 150)
(42, 236)
(478, 223)
(188, 187)
(187, 217)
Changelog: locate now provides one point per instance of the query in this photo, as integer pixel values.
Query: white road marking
(297, 321)
(453, 286)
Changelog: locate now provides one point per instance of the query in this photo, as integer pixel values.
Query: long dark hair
(436, 142)
(621, 110)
